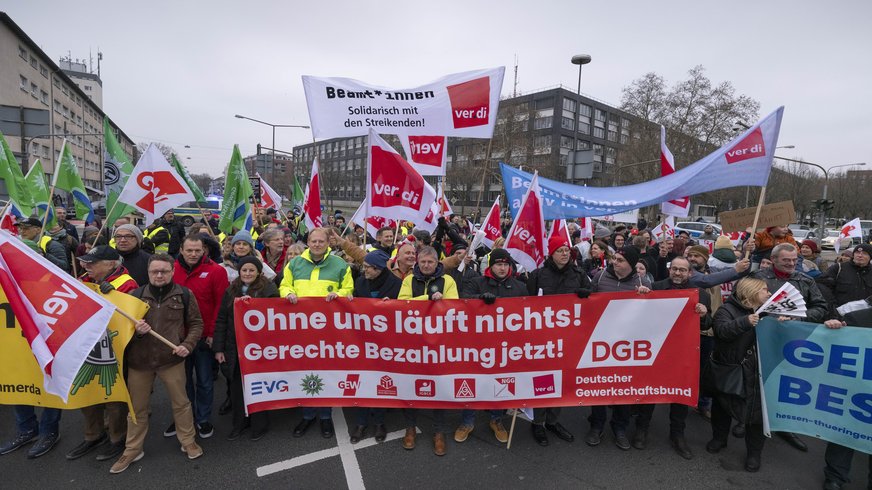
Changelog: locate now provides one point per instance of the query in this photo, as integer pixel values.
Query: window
(33, 62)
(613, 136)
(583, 128)
(43, 96)
(545, 103)
(22, 82)
(625, 123)
(22, 52)
(56, 82)
(34, 90)
(569, 105)
(43, 71)
(567, 123)
(586, 110)
(597, 153)
(599, 133)
(542, 123)
(583, 145)
(542, 142)
(64, 89)
(600, 115)
(566, 142)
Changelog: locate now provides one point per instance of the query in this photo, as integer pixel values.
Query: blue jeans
(362, 415)
(467, 417)
(200, 362)
(25, 420)
(323, 413)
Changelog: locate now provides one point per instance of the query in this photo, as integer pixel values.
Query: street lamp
(826, 182)
(580, 60)
(274, 126)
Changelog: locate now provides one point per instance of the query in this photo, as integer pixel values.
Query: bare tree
(166, 150)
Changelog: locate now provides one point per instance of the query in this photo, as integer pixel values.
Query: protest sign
(462, 104)
(775, 214)
(816, 381)
(526, 352)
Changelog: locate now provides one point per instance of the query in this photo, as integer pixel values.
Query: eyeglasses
(125, 237)
(160, 272)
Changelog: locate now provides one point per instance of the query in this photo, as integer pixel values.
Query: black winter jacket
(735, 341)
(847, 282)
(136, 263)
(557, 281)
(705, 322)
(817, 309)
(224, 339)
(387, 283)
(509, 287)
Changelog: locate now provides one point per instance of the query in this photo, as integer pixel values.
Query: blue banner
(817, 381)
(744, 161)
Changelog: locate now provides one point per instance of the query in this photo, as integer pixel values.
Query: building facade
(41, 105)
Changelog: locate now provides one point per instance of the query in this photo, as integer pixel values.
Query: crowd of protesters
(192, 277)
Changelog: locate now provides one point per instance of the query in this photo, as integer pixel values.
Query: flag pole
(512, 429)
(208, 226)
(757, 216)
(152, 332)
(103, 225)
(484, 172)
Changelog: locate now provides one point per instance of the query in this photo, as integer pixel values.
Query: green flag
(10, 174)
(236, 208)
(298, 196)
(198, 193)
(38, 189)
(66, 178)
(116, 170)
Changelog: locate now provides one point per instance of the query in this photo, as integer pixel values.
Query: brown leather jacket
(166, 317)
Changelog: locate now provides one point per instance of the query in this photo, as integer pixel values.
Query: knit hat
(242, 236)
(601, 232)
(250, 259)
(723, 241)
(864, 247)
(630, 254)
(132, 229)
(556, 242)
(499, 255)
(377, 258)
(811, 244)
(699, 249)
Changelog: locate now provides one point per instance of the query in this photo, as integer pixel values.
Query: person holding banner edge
(315, 273)
(559, 274)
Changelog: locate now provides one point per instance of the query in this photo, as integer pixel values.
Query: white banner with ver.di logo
(462, 105)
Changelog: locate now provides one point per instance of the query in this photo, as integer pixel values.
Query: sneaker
(193, 450)
(621, 441)
(43, 445)
(171, 430)
(205, 430)
(124, 462)
(593, 437)
(19, 441)
(499, 431)
(87, 446)
(462, 433)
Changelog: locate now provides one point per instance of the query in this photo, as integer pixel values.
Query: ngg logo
(268, 387)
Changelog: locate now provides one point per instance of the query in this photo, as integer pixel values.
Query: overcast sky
(177, 71)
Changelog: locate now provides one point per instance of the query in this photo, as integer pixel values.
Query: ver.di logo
(312, 384)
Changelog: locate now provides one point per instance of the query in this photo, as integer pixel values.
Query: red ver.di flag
(395, 190)
(534, 351)
(526, 240)
(312, 199)
(154, 187)
(674, 207)
(60, 317)
(462, 104)
(490, 227)
(426, 153)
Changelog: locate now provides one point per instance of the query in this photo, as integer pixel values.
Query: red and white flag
(490, 227)
(526, 240)
(445, 209)
(852, 229)
(558, 227)
(372, 223)
(665, 230)
(674, 207)
(426, 153)
(585, 226)
(312, 199)
(269, 198)
(155, 186)
(7, 221)
(431, 220)
(61, 318)
(394, 189)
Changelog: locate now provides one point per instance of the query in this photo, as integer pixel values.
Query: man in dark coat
(679, 275)
(128, 242)
(559, 274)
(849, 281)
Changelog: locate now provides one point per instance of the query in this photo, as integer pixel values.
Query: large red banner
(615, 348)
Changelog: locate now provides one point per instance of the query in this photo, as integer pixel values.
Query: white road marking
(345, 450)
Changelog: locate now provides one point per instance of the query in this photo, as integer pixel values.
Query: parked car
(805, 234)
(694, 228)
(829, 241)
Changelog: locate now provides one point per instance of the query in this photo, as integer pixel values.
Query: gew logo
(269, 387)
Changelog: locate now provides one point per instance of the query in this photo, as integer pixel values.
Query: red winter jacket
(207, 282)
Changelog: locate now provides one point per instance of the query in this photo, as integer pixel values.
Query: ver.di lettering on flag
(394, 189)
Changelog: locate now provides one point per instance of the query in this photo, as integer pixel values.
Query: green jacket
(304, 278)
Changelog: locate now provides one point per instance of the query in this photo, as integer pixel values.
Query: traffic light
(827, 204)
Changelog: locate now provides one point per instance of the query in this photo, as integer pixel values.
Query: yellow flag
(98, 381)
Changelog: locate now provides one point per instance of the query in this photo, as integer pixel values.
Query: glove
(582, 293)
(488, 298)
(105, 287)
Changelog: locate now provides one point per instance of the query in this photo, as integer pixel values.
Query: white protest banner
(462, 104)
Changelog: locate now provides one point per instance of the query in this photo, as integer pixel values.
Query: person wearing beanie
(559, 274)
(620, 275)
(723, 256)
(810, 252)
(498, 281)
(128, 242)
(766, 240)
(252, 283)
(242, 245)
(376, 282)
